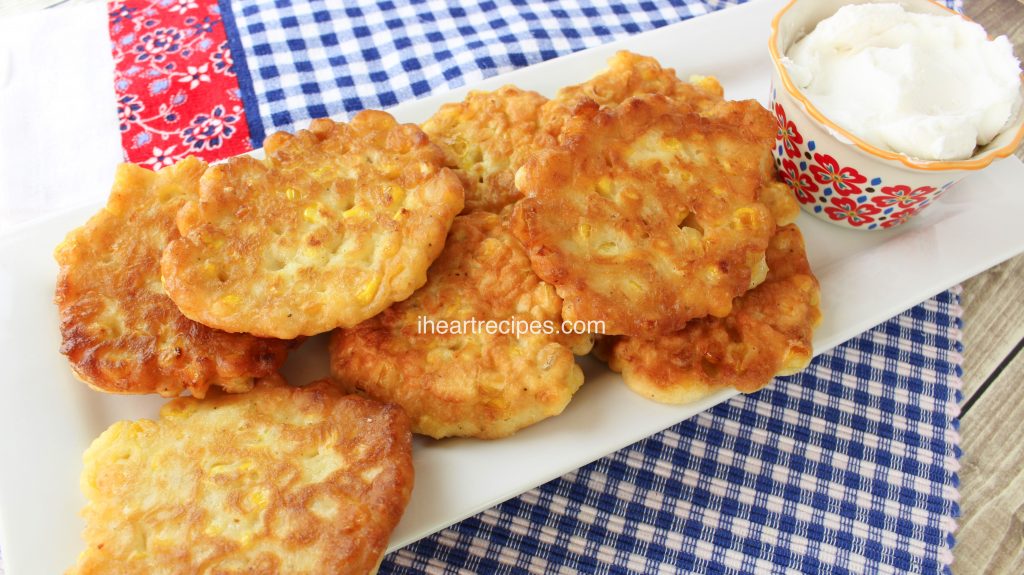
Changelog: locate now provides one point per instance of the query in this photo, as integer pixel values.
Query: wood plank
(991, 537)
(1001, 17)
(993, 321)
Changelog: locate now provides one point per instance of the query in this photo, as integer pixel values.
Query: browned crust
(768, 333)
(647, 215)
(119, 330)
(280, 480)
(628, 75)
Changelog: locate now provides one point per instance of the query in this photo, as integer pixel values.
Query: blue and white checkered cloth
(306, 59)
(849, 467)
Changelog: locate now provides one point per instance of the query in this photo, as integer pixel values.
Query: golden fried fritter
(768, 333)
(630, 75)
(647, 216)
(486, 138)
(473, 383)
(304, 481)
(779, 198)
(121, 332)
(337, 222)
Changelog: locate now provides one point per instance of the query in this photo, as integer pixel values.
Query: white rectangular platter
(47, 418)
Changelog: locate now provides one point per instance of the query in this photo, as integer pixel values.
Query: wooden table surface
(991, 534)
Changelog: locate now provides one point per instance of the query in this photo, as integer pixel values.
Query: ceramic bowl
(837, 176)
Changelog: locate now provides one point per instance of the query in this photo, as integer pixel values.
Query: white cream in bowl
(933, 87)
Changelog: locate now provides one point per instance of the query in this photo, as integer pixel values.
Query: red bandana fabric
(177, 94)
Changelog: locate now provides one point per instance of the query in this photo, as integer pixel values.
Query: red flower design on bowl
(848, 210)
(801, 184)
(901, 196)
(899, 217)
(787, 133)
(828, 172)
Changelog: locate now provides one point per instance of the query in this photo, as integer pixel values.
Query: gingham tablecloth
(849, 467)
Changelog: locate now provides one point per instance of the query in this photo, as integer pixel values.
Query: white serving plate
(47, 419)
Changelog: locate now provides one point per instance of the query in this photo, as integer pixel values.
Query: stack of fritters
(660, 212)
(768, 333)
(337, 223)
(642, 204)
(121, 332)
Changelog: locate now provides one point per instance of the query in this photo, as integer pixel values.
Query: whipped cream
(929, 86)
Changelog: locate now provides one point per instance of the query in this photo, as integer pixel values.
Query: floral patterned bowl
(837, 176)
